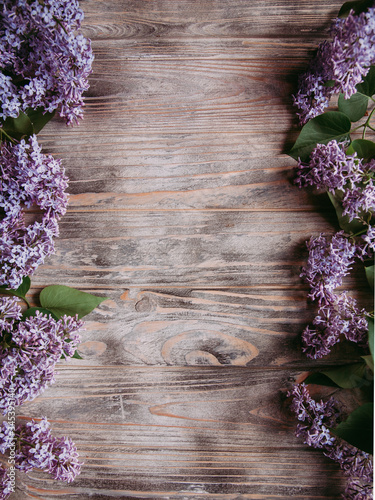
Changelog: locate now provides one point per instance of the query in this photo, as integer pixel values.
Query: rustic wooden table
(183, 213)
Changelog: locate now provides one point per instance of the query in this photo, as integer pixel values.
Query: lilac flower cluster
(29, 351)
(339, 317)
(331, 169)
(44, 66)
(36, 448)
(328, 262)
(6, 486)
(29, 179)
(339, 65)
(44, 62)
(316, 418)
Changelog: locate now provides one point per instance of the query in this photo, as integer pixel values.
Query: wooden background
(184, 215)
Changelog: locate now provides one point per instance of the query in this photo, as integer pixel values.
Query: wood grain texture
(184, 214)
(125, 19)
(180, 433)
(241, 327)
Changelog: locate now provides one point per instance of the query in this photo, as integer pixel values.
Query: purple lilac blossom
(7, 436)
(44, 61)
(359, 200)
(369, 240)
(28, 358)
(10, 104)
(331, 169)
(37, 448)
(6, 487)
(339, 317)
(10, 312)
(29, 179)
(328, 262)
(339, 65)
(315, 420)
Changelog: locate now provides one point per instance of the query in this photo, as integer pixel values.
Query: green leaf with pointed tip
(355, 226)
(364, 148)
(349, 376)
(369, 270)
(31, 312)
(39, 118)
(320, 130)
(357, 429)
(358, 6)
(75, 356)
(370, 322)
(24, 287)
(369, 361)
(18, 127)
(62, 300)
(21, 290)
(320, 379)
(355, 107)
(367, 87)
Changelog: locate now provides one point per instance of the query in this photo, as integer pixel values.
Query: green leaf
(76, 355)
(18, 127)
(369, 270)
(349, 376)
(358, 7)
(364, 148)
(320, 379)
(355, 226)
(62, 300)
(355, 107)
(367, 87)
(357, 429)
(329, 83)
(31, 312)
(21, 290)
(369, 361)
(320, 130)
(370, 322)
(24, 287)
(39, 118)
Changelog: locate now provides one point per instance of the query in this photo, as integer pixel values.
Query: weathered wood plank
(219, 19)
(194, 249)
(180, 433)
(191, 96)
(202, 327)
(118, 171)
(288, 51)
